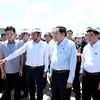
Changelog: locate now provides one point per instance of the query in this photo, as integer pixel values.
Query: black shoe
(24, 96)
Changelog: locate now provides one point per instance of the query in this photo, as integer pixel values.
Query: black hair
(70, 31)
(24, 34)
(48, 33)
(8, 28)
(62, 29)
(89, 29)
(3, 34)
(38, 33)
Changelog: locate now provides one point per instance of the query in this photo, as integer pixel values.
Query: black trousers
(12, 80)
(1, 83)
(44, 82)
(35, 76)
(76, 82)
(59, 82)
(23, 82)
(90, 87)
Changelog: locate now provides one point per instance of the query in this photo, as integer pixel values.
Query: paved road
(47, 94)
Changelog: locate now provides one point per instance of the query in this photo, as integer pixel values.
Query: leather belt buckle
(97, 73)
(60, 71)
(33, 67)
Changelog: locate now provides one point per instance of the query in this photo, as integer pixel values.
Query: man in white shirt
(48, 38)
(37, 53)
(52, 43)
(91, 66)
(51, 48)
(24, 36)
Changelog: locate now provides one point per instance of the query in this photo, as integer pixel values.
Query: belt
(96, 73)
(60, 71)
(34, 67)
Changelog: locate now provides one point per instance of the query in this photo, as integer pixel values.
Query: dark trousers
(76, 82)
(1, 83)
(24, 83)
(59, 82)
(44, 82)
(12, 80)
(32, 76)
(90, 87)
(51, 91)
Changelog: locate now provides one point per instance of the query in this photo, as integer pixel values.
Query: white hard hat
(98, 29)
(25, 31)
(52, 29)
(80, 35)
(36, 30)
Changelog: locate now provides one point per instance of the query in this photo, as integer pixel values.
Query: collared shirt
(91, 58)
(22, 43)
(6, 49)
(0, 42)
(64, 58)
(36, 54)
(51, 47)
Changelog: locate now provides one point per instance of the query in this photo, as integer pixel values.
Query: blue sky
(46, 14)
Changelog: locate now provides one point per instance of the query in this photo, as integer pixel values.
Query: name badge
(96, 54)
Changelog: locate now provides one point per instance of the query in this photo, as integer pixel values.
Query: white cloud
(11, 3)
(40, 10)
(37, 13)
(81, 14)
(36, 16)
(85, 13)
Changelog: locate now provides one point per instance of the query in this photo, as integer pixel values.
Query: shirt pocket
(41, 51)
(97, 57)
(62, 55)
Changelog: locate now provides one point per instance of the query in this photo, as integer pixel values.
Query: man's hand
(99, 86)
(2, 61)
(69, 85)
(50, 78)
(20, 72)
(80, 77)
(44, 74)
(3, 75)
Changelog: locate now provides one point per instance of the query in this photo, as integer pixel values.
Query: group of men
(25, 62)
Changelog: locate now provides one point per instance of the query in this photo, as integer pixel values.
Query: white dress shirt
(91, 58)
(51, 47)
(36, 54)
